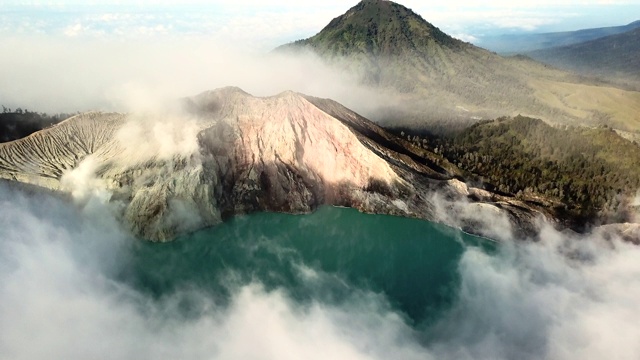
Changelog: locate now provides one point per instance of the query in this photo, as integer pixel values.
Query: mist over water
(324, 256)
(333, 284)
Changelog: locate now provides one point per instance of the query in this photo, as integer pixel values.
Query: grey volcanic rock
(231, 153)
(43, 157)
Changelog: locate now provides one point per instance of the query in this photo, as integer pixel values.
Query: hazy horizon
(67, 56)
(262, 25)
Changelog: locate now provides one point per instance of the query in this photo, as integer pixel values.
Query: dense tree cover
(587, 172)
(18, 123)
(376, 27)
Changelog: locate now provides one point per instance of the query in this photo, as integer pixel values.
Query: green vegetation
(19, 123)
(586, 173)
(379, 28)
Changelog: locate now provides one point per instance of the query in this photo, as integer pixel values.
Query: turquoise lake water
(328, 256)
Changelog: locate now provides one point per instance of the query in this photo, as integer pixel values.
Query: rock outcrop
(230, 153)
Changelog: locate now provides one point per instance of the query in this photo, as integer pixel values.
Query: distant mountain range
(443, 83)
(520, 43)
(615, 56)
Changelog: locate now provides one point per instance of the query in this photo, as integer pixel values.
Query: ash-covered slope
(43, 157)
(233, 153)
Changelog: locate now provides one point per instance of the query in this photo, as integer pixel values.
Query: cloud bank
(71, 56)
(64, 76)
(60, 297)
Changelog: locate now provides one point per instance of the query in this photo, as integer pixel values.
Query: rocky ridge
(231, 153)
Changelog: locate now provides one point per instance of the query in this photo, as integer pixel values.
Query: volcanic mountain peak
(442, 84)
(232, 153)
(379, 28)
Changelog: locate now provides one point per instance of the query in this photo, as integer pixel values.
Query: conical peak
(379, 27)
(379, 10)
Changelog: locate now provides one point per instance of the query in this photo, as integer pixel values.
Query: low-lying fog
(63, 75)
(560, 298)
(60, 298)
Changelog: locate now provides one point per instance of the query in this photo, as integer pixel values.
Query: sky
(262, 25)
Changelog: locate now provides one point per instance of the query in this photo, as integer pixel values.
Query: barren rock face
(229, 153)
(43, 157)
(283, 153)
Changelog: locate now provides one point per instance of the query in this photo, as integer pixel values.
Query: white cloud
(73, 30)
(60, 283)
(465, 37)
(85, 74)
(262, 25)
